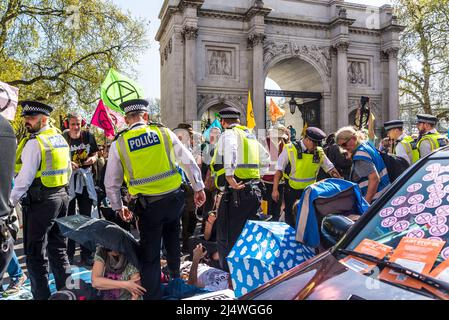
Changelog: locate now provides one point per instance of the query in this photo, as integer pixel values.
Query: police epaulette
(157, 124)
(119, 134)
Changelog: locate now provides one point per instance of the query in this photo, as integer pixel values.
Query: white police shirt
(227, 147)
(31, 160)
(425, 148)
(114, 169)
(283, 161)
(400, 149)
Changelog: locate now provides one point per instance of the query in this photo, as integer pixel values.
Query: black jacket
(8, 146)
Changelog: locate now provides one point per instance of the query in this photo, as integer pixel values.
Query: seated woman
(115, 277)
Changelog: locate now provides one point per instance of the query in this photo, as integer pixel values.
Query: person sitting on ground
(115, 276)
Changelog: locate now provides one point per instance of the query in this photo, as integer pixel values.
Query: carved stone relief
(321, 55)
(357, 72)
(206, 98)
(219, 62)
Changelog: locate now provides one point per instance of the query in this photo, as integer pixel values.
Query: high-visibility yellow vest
(55, 162)
(304, 170)
(436, 140)
(248, 166)
(411, 147)
(148, 159)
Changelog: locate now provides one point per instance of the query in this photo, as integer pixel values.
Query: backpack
(395, 165)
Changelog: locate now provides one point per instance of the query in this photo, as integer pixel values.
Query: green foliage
(59, 51)
(424, 67)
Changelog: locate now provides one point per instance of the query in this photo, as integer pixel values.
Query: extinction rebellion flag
(9, 97)
(117, 89)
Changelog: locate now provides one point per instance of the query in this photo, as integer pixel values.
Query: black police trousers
(159, 220)
(231, 219)
(44, 242)
(274, 208)
(290, 197)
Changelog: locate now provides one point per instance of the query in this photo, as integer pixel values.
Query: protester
(115, 276)
(338, 157)
(16, 276)
(277, 138)
(202, 275)
(83, 153)
(368, 169)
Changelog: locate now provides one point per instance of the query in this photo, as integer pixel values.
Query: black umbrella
(90, 232)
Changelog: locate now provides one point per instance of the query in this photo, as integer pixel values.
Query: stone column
(342, 85)
(190, 88)
(393, 76)
(255, 41)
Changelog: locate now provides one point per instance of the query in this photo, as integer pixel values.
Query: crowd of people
(187, 196)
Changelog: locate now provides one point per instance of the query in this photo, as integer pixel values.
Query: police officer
(404, 146)
(238, 163)
(299, 164)
(145, 156)
(43, 168)
(430, 139)
(8, 146)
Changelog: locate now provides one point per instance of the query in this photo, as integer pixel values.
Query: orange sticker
(440, 273)
(418, 255)
(370, 247)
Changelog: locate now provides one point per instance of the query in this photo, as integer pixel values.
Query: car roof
(440, 153)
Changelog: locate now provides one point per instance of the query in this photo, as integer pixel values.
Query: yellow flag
(250, 120)
(304, 129)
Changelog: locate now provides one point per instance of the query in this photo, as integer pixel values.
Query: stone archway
(298, 67)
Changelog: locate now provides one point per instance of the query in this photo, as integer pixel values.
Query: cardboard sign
(440, 273)
(416, 254)
(370, 247)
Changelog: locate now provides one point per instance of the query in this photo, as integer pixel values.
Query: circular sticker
(438, 231)
(388, 222)
(429, 177)
(417, 198)
(386, 212)
(433, 167)
(445, 253)
(417, 233)
(402, 212)
(433, 203)
(414, 187)
(398, 201)
(435, 187)
(435, 238)
(442, 179)
(437, 220)
(423, 218)
(437, 195)
(442, 211)
(417, 208)
(401, 226)
(446, 189)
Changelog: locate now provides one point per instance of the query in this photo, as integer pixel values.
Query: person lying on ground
(203, 276)
(115, 276)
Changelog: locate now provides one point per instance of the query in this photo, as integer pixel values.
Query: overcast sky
(149, 65)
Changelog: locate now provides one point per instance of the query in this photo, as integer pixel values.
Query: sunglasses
(345, 144)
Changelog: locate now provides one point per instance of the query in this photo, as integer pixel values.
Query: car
(423, 189)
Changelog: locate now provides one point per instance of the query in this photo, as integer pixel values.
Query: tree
(154, 109)
(59, 51)
(424, 66)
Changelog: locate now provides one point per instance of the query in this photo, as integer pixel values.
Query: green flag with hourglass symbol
(118, 88)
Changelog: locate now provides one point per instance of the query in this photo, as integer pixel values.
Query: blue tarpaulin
(263, 251)
(307, 228)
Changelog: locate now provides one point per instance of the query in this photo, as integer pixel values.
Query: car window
(420, 209)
